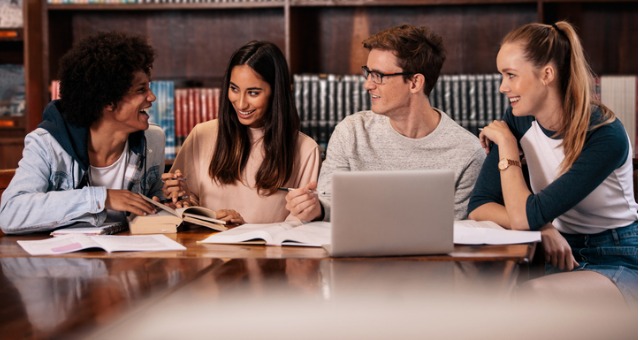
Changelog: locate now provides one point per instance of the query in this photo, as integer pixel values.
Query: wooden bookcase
(12, 128)
(194, 41)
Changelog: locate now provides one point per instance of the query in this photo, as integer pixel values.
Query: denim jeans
(612, 253)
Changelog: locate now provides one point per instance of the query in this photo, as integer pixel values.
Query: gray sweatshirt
(366, 141)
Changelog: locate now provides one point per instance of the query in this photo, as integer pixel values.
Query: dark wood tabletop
(95, 293)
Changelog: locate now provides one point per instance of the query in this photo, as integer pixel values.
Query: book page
(259, 233)
(59, 245)
(162, 206)
(465, 232)
(314, 234)
(113, 243)
(201, 213)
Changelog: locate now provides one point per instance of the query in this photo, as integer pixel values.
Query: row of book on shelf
(323, 100)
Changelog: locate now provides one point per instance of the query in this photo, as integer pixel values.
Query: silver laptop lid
(379, 213)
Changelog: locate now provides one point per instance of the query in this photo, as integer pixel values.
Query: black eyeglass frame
(366, 72)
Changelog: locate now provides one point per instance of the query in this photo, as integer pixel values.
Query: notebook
(386, 213)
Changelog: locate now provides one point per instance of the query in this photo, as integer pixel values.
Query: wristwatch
(505, 163)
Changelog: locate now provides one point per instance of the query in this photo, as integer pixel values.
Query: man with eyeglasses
(402, 130)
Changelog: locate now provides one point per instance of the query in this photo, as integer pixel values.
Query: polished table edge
(520, 253)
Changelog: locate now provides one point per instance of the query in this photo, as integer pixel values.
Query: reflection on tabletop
(43, 297)
(351, 299)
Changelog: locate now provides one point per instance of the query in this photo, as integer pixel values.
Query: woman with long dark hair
(236, 164)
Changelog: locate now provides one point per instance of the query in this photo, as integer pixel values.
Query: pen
(169, 200)
(321, 193)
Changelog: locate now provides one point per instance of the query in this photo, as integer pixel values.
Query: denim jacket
(50, 187)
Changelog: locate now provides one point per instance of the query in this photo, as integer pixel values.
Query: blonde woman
(579, 163)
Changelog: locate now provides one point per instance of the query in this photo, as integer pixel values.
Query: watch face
(503, 164)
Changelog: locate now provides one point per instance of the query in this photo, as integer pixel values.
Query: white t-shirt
(111, 176)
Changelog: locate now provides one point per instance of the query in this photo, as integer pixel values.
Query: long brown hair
(560, 45)
(281, 123)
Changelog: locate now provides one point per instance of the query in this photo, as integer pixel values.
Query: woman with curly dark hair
(255, 146)
(93, 153)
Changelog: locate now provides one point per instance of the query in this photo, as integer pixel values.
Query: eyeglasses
(376, 77)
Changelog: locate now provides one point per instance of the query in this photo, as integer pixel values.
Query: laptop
(387, 213)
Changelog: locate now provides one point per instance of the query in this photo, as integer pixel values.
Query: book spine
(488, 96)
(323, 110)
(340, 109)
(499, 98)
(365, 99)
(154, 116)
(472, 104)
(306, 103)
(438, 93)
(482, 115)
(179, 116)
(314, 106)
(448, 101)
(168, 122)
(297, 94)
(216, 102)
(348, 102)
(455, 99)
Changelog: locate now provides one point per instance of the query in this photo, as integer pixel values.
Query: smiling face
(250, 95)
(521, 82)
(131, 111)
(392, 96)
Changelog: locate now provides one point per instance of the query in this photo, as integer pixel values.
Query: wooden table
(93, 293)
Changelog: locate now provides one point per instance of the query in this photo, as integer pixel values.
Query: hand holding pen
(176, 190)
(303, 202)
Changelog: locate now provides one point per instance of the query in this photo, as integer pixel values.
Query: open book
(110, 243)
(314, 234)
(167, 220)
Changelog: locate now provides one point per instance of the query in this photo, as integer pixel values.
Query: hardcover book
(167, 220)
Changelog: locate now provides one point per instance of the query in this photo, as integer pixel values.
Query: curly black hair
(98, 71)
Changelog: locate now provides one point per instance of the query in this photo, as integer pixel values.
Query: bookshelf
(194, 40)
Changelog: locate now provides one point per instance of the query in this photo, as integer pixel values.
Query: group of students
(94, 152)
